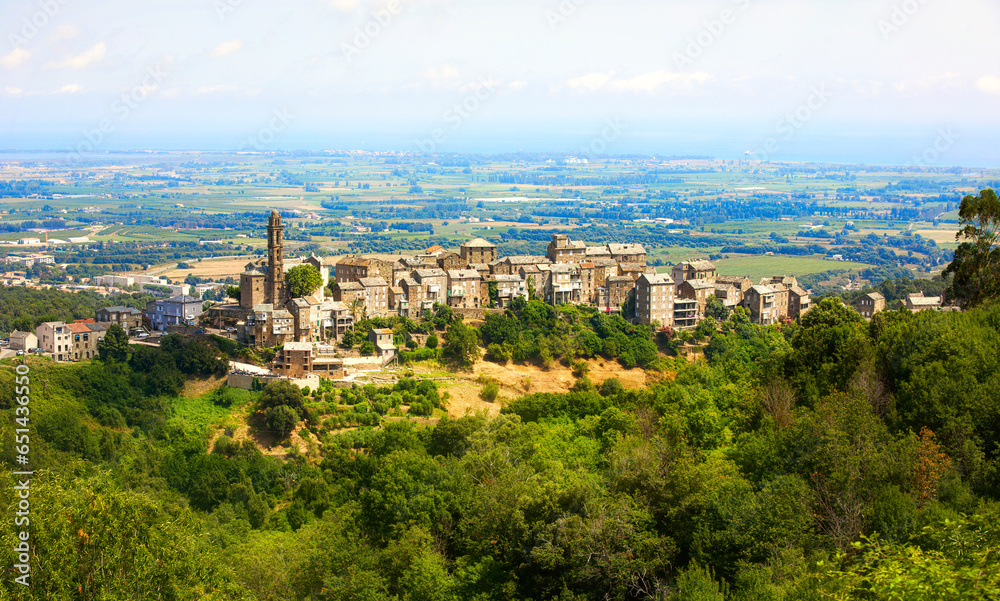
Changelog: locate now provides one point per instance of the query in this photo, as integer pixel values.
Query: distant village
(472, 282)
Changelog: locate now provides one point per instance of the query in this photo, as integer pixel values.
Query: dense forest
(830, 458)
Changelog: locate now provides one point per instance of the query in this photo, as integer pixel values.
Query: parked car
(19, 353)
(230, 329)
(144, 335)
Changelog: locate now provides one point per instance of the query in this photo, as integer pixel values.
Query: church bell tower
(275, 260)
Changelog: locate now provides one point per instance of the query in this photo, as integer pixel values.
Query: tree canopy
(976, 267)
(114, 347)
(303, 280)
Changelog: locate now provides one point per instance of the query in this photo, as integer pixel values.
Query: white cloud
(445, 72)
(590, 81)
(64, 32)
(227, 48)
(518, 85)
(989, 84)
(14, 58)
(95, 54)
(216, 89)
(13, 91)
(346, 5)
(652, 81)
(930, 81)
(69, 89)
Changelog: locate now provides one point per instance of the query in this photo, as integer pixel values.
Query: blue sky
(844, 80)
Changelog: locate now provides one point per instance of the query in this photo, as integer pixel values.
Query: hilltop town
(307, 328)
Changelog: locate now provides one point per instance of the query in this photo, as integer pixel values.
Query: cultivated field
(759, 267)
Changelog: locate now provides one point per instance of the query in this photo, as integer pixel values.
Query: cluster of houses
(76, 341)
(471, 281)
(871, 303)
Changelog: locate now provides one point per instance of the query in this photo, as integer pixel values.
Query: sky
(866, 81)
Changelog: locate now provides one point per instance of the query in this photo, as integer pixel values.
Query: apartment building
(56, 338)
(654, 299)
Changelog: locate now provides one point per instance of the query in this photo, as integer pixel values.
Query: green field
(759, 267)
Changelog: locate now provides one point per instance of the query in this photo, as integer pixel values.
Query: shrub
(490, 392)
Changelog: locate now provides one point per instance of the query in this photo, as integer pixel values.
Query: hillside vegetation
(832, 458)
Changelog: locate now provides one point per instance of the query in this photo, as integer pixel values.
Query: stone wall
(245, 381)
(477, 314)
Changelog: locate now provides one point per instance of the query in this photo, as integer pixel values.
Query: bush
(500, 353)
(490, 392)
(432, 341)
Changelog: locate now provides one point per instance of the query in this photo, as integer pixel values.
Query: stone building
(627, 253)
(478, 251)
(127, 317)
(699, 291)
(463, 289)
(870, 304)
(694, 270)
(355, 269)
(564, 250)
(766, 304)
(654, 299)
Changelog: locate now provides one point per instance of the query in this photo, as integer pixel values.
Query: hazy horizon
(860, 81)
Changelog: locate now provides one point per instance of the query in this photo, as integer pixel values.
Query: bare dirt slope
(518, 380)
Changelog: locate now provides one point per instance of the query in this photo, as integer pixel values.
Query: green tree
(976, 268)
(461, 345)
(530, 285)
(282, 419)
(233, 292)
(716, 309)
(114, 347)
(432, 341)
(304, 280)
(281, 392)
